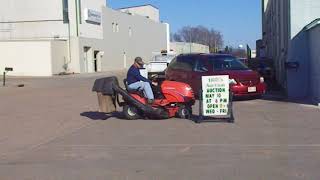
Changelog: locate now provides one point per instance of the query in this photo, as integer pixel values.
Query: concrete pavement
(49, 131)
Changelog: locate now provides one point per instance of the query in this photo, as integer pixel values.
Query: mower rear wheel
(130, 112)
(184, 112)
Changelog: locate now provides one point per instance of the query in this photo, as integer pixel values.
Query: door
(88, 64)
(99, 61)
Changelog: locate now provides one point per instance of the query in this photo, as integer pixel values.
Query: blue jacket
(135, 76)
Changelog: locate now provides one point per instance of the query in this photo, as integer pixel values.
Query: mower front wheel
(130, 112)
(184, 112)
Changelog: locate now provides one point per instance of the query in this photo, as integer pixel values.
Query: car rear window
(182, 63)
(163, 58)
(221, 63)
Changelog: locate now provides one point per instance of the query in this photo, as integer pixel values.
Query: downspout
(69, 35)
(289, 38)
(77, 17)
(69, 47)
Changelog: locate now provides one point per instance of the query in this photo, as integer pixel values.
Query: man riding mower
(168, 99)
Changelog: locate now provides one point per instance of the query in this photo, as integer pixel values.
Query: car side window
(173, 63)
(217, 64)
(200, 66)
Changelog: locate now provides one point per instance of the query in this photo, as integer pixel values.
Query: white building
(304, 81)
(282, 20)
(42, 38)
(291, 38)
(183, 48)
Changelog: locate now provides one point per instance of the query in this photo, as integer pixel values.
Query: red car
(189, 68)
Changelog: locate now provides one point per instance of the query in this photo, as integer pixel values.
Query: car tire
(130, 112)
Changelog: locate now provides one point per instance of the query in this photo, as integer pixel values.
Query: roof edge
(313, 24)
(139, 6)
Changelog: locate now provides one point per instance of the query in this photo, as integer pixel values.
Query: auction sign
(215, 95)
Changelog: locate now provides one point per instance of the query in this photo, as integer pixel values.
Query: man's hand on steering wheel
(154, 83)
(154, 80)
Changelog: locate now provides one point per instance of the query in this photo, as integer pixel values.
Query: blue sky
(238, 20)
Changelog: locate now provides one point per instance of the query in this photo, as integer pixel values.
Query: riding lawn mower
(172, 99)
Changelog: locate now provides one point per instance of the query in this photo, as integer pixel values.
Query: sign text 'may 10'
(215, 93)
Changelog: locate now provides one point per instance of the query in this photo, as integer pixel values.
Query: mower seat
(132, 91)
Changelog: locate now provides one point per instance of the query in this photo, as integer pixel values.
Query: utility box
(106, 104)
(106, 94)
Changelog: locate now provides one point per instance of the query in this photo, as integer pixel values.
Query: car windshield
(221, 63)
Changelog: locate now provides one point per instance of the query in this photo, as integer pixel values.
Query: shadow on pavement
(277, 93)
(274, 97)
(100, 116)
(94, 115)
(277, 96)
(193, 118)
(246, 98)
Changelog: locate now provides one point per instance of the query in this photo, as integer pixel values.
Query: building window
(130, 31)
(117, 27)
(113, 27)
(65, 11)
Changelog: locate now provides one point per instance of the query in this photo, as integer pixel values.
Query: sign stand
(229, 115)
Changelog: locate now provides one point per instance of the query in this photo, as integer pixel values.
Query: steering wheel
(154, 77)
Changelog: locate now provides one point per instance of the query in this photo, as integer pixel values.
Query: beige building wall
(59, 56)
(89, 30)
(80, 46)
(41, 19)
(124, 38)
(35, 20)
(27, 58)
(135, 36)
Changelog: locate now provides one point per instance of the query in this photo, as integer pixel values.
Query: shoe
(150, 101)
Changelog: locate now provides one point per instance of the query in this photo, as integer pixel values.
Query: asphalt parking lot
(50, 130)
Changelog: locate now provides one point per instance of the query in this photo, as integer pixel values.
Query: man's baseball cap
(139, 60)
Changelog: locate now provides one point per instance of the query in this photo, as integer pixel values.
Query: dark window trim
(80, 12)
(65, 11)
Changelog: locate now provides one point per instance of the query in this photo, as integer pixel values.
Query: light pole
(190, 41)
(215, 45)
